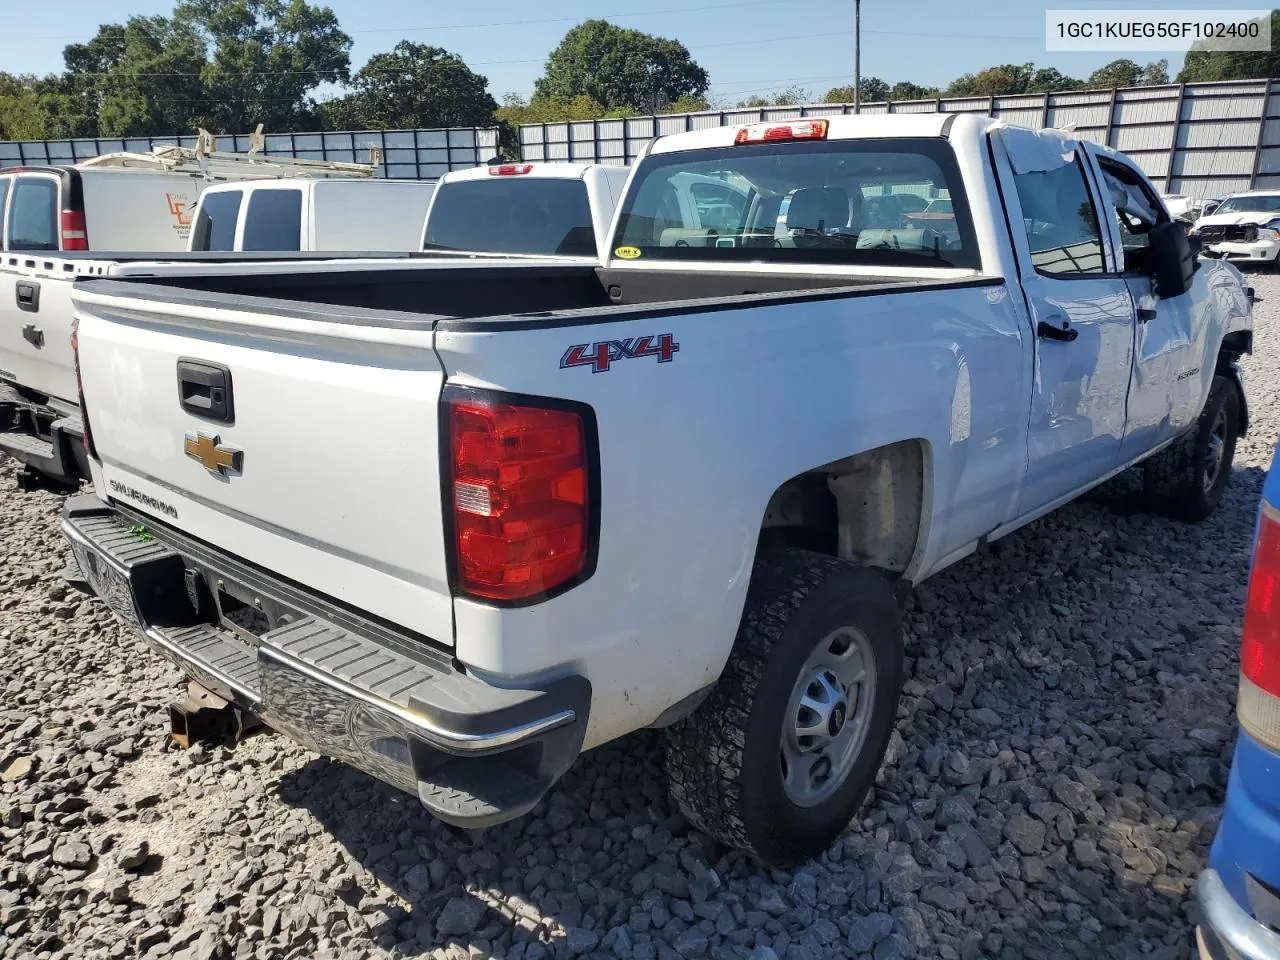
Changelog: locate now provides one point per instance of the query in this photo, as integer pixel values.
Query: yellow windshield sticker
(627, 253)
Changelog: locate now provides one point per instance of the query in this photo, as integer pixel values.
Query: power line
(523, 23)
(135, 75)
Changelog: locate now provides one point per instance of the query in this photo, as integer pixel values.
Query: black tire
(1177, 479)
(723, 762)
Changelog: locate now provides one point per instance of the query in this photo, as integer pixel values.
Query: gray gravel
(1052, 787)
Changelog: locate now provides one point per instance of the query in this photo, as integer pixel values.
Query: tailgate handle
(28, 296)
(205, 390)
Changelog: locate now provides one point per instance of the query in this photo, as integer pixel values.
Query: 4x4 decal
(598, 356)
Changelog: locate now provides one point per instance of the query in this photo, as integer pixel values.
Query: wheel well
(1234, 346)
(866, 507)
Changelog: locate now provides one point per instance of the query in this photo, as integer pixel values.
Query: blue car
(1240, 891)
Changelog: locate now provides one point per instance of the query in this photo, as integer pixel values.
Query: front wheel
(1186, 480)
(781, 755)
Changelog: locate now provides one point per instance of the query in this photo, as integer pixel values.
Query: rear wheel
(1186, 480)
(781, 755)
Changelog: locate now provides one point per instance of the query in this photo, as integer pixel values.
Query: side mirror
(1171, 258)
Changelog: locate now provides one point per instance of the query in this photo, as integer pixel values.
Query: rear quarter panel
(691, 451)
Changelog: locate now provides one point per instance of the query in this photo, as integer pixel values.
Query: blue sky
(749, 46)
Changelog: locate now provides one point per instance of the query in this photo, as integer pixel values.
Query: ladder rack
(204, 160)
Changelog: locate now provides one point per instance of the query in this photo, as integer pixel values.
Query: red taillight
(1260, 654)
(74, 234)
(511, 170)
(87, 437)
(779, 132)
(521, 490)
(1258, 704)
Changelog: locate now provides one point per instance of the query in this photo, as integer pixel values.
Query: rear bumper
(43, 437)
(1228, 932)
(336, 682)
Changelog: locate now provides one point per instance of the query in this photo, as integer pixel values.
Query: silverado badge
(213, 456)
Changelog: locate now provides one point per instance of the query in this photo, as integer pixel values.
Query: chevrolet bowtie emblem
(213, 456)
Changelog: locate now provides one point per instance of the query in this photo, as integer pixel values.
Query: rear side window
(33, 215)
(215, 227)
(273, 220)
(512, 215)
(1060, 220)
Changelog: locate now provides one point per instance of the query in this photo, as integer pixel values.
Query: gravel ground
(1052, 787)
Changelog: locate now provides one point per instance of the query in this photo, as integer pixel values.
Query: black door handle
(28, 296)
(1146, 315)
(205, 390)
(1065, 333)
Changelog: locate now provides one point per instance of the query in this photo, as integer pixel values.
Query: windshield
(512, 215)
(1266, 204)
(883, 202)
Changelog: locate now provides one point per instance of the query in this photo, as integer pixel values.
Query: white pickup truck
(554, 210)
(455, 526)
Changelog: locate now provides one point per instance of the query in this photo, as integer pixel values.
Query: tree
(754, 102)
(1117, 73)
(264, 58)
(792, 96)
(1154, 74)
(905, 90)
(515, 111)
(1204, 65)
(20, 115)
(414, 85)
(689, 103)
(874, 90)
(1051, 80)
(998, 81)
(142, 78)
(620, 68)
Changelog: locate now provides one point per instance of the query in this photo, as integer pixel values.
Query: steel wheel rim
(828, 716)
(1215, 450)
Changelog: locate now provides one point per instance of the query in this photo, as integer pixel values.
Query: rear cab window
(33, 214)
(273, 220)
(215, 226)
(855, 202)
(512, 214)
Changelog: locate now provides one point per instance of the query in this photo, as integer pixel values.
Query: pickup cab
(459, 524)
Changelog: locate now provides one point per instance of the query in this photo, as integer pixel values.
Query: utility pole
(857, 56)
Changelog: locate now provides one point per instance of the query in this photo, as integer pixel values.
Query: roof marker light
(782, 132)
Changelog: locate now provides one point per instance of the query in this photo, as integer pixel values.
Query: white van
(537, 209)
(128, 202)
(324, 215)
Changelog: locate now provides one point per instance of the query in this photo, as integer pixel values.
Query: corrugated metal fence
(1201, 139)
(406, 154)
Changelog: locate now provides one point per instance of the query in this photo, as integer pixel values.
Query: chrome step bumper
(392, 706)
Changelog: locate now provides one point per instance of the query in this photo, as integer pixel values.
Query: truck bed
(523, 293)
(337, 376)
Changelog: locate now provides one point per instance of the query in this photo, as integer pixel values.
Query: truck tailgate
(325, 469)
(35, 325)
